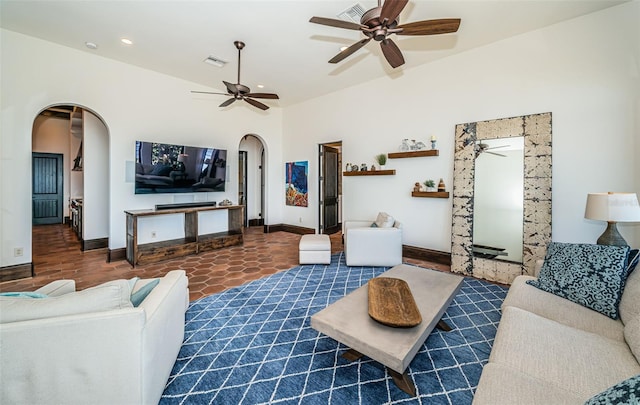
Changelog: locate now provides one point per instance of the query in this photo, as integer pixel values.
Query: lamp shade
(613, 207)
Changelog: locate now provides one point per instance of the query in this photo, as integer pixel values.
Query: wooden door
(331, 171)
(47, 192)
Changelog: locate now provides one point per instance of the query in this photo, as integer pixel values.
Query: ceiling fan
(382, 21)
(485, 148)
(241, 92)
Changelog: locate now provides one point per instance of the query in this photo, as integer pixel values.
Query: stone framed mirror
(535, 133)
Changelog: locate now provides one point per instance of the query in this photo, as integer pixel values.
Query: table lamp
(613, 208)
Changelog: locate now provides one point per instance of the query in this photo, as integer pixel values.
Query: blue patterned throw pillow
(626, 392)
(590, 275)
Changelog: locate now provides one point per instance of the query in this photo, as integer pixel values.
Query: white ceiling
(284, 52)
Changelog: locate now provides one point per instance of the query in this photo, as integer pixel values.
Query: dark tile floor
(57, 255)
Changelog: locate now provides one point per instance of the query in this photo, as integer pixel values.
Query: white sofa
(105, 351)
(367, 246)
(549, 350)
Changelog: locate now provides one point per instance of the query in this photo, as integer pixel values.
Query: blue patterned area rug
(253, 344)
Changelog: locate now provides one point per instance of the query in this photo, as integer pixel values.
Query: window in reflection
(498, 199)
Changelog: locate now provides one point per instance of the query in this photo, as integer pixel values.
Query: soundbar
(185, 205)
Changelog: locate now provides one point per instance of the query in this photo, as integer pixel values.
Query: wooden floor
(57, 255)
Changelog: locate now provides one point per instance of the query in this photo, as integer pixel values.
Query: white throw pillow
(384, 220)
(112, 295)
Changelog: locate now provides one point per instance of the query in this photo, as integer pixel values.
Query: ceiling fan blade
(232, 88)
(256, 103)
(332, 22)
(263, 95)
(391, 9)
(349, 50)
(392, 53)
(497, 154)
(430, 27)
(228, 102)
(209, 92)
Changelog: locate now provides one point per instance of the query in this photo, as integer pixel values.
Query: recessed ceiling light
(126, 41)
(261, 86)
(212, 60)
(91, 45)
(342, 48)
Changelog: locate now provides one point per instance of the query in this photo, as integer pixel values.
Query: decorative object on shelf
(433, 141)
(613, 208)
(373, 168)
(416, 187)
(404, 146)
(225, 203)
(363, 167)
(355, 168)
(441, 186)
(347, 167)
(430, 185)
(297, 192)
(382, 160)
(419, 145)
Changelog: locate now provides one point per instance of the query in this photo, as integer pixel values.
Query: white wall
(51, 135)
(134, 104)
(95, 167)
(585, 71)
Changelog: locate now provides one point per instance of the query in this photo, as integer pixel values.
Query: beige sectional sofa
(549, 350)
(92, 346)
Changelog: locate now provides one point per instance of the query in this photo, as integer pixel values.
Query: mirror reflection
(498, 199)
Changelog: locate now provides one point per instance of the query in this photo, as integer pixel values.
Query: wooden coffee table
(347, 321)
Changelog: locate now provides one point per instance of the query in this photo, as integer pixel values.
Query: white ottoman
(315, 249)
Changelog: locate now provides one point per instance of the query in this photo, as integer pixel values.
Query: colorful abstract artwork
(297, 193)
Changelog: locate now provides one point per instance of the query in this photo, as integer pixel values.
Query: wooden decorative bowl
(391, 303)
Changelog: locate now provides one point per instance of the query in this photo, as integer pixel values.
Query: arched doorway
(74, 141)
(251, 179)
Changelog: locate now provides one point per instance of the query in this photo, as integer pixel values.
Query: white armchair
(365, 245)
(64, 349)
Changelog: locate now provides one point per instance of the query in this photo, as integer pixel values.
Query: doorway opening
(330, 188)
(251, 180)
(70, 174)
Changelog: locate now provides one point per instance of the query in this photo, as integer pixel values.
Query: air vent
(353, 13)
(212, 60)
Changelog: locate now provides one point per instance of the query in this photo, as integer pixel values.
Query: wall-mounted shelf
(430, 194)
(415, 153)
(371, 173)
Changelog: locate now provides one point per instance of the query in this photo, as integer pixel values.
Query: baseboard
(16, 272)
(288, 228)
(114, 255)
(429, 255)
(256, 222)
(94, 244)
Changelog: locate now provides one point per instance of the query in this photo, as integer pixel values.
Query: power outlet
(153, 234)
(17, 252)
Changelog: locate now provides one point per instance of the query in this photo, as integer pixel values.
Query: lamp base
(611, 236)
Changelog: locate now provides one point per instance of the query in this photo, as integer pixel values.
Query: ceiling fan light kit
(382, 21)
(239, 91)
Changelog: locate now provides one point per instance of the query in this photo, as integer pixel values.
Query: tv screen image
(167, 168)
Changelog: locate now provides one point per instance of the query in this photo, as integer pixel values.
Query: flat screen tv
(166, 168)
